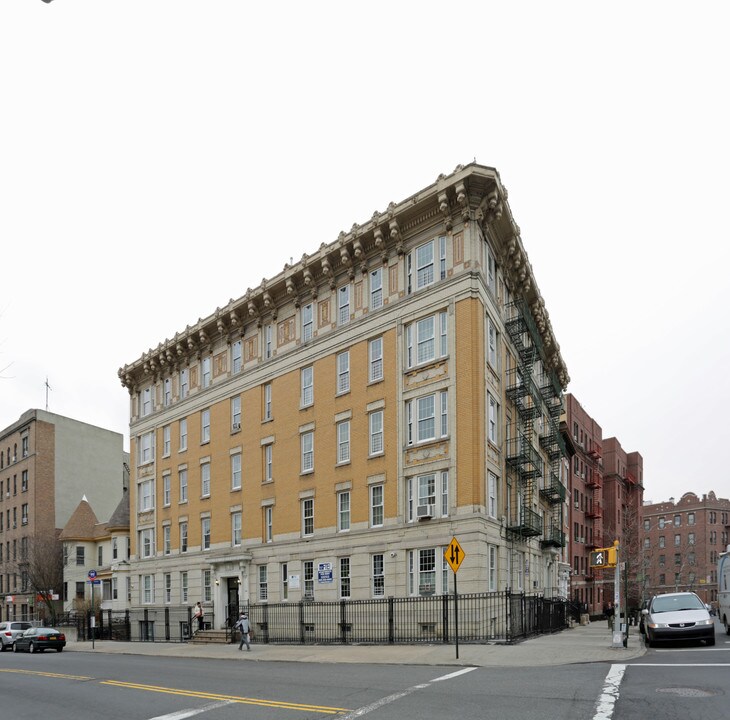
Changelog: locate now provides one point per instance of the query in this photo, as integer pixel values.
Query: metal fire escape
(525, 464)
(594, 482)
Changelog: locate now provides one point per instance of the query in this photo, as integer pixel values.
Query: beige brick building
(47, 463)
(328, 433)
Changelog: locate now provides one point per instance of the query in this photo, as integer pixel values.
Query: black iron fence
(483, 617)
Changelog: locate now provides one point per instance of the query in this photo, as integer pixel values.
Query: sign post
(92, 580)
(454, 556)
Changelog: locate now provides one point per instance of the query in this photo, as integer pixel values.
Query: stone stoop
(206, 637)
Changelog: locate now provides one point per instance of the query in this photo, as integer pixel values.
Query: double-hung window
(206, 371)
(427, 418)
(184, 383)
(376, 288)
(205, 426)
(205, 479)
(146, 453)
(307, 322)
(376, 432)
(236, 529)
(183, 537)
(236, 471)
(268, 341)
(182, 475)
(307, 386)
(343, 511)
(345, 577)
(205, 533)
(237, 356)
(147, 543)
(426, 339)
(235, 413)
(375, 359)
(166, 441)
(343, 441)
(267, 402)
(343, 372)
(146, 491)
(308, 517)
(492, 343)
(343, 305)
(167, 392)
(183, 434)
(307, 450)
(378, 575)
(376, 506)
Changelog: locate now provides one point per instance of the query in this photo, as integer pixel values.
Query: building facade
(326, 435)
(99, 549)
(47, 462)
(681, 543)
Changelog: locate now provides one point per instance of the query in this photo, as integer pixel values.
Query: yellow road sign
(454, 554)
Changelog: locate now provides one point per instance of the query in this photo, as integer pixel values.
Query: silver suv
(9, 630)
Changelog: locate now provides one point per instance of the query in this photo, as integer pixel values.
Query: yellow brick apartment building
(327, 434)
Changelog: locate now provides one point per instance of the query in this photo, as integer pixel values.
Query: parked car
(9, 630)
(38, 639)
(678, 616)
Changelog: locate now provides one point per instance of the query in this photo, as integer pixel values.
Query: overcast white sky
(149, 146)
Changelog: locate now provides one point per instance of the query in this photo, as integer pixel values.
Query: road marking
(397, 696)
(282, 705)
(680, 665)
(607, 700)
(181, 714)
(46, 674)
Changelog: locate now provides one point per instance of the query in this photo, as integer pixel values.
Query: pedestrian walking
(198, 615)
(609, 613)
(244, 627)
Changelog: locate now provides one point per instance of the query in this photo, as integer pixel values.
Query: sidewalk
(581, 644)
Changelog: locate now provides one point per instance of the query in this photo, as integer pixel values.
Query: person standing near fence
(609, 612)
(198, 615)
(244, 627)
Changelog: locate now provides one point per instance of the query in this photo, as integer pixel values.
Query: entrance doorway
(232, 606)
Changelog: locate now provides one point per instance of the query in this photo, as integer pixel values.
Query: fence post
(508, 614)
(301, 621)
(391, 622)
(445, 616)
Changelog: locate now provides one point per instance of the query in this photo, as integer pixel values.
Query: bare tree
(40, 566)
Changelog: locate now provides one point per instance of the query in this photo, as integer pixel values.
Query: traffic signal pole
(617, 641)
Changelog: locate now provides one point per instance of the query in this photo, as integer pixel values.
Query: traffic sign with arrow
(454, 554)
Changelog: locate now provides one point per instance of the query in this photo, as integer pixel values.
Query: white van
(723, 589)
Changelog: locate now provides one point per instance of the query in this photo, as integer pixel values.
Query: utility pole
(617, 640)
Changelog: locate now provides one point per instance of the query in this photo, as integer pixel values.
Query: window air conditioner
(235, 426)
(425, 512)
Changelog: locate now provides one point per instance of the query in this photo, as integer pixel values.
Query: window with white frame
(263, 582)
(146, 401)
(343, 442)
(426, 339)
(183, 537)
(427, 418)
(343, 305)
(375, 359)
(268, 341)
(167, 392)
(492, 568)
(184, 586)
(115, 590)
(345, 578)
(420, 267)
(421, 494)
(148, 589)
(307, 451)
(491, 494)
(183, 434)
(308, 568)
(207, 590)
(269, 524)
(268, 451)
(182, 476)
(206, 371)
(375, 420)
(205, 479)
(284, 581)
(166, 540)
(376, 506)
(307, 386)
(237, 356)
(343, 372)
(184, 383)
(146, 452)
(422, 576)
(267, 401)
(236, 529)
(343, 511)
(146, 495)
(493, 419)
(168, 587)
(492, 341)
(307, 322)
(376, 288)
(166, 489)
(442, 257)
(205, 425)
(115, 548)
(308, 517)
(236, 471)
(378, 575)
(236, 413)
(166, 441)
(147, 543)
(205, 533)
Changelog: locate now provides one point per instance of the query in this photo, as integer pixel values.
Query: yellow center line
(46, 674)
(231, 698)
